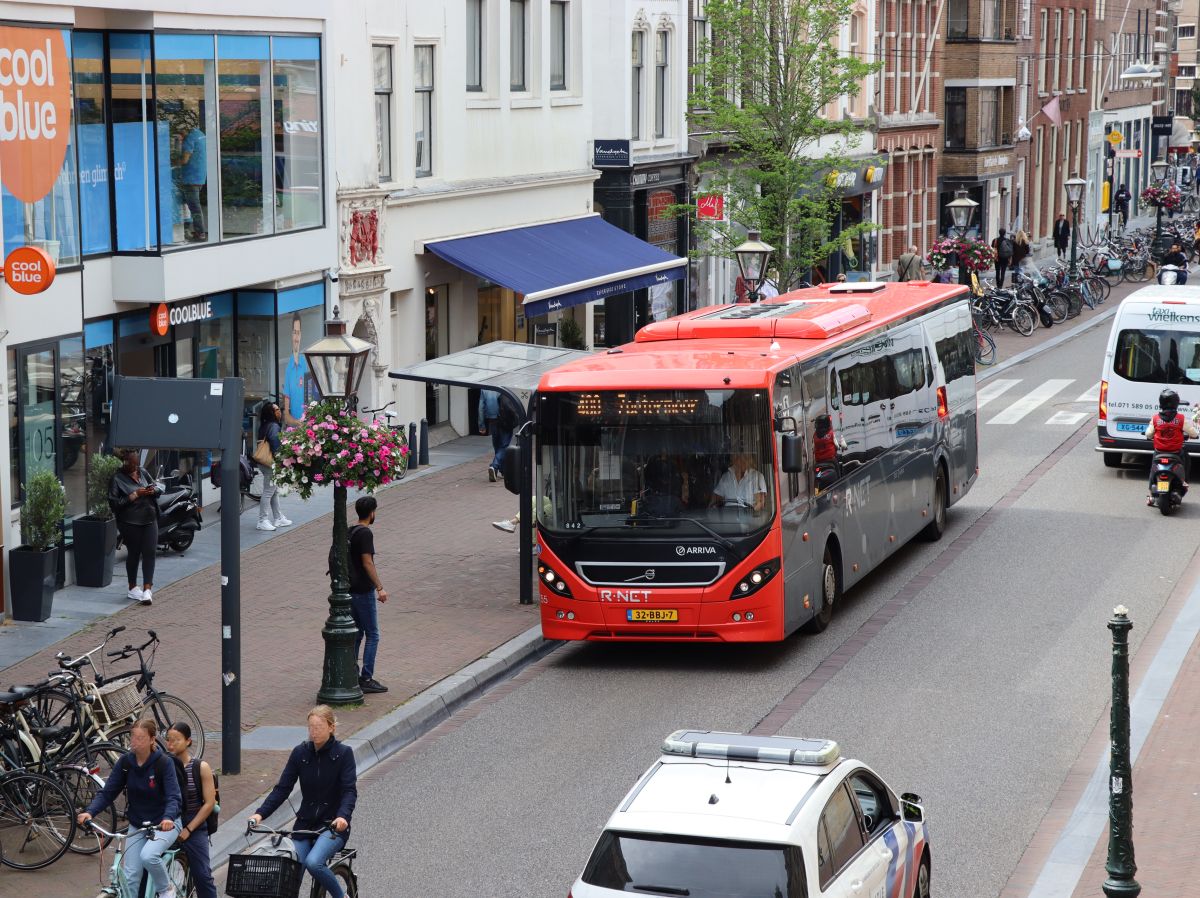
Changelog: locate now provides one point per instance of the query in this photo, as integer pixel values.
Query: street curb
(1033, 351)
(380, 740)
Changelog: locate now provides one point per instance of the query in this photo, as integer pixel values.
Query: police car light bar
(739, 747)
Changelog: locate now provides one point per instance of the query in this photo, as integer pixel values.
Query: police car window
(1158, 356)
(825, 868)
(646, 864)
(841, 822)
(873, 803)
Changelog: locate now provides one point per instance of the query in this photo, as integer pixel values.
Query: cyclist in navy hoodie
(147, 775)
(328, 790)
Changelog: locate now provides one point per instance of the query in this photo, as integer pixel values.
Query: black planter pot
(31, 582)
(95, 550)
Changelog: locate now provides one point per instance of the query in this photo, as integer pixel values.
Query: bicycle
(37, 822)
(279, 874)
(985, 345)
(118, 886)
(398, 430)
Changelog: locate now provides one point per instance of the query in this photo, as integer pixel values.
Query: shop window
(244, 96)
(518, 29)
(437, 343)
(475, 45)
(383, 109)
(256, 356)
(91, 134)
(956, 118)
(98, 383)
(423, 109)
(186, 86)
(559, 37)
(72, 426)
(636, 68)
(501, 315)
(296, 80)
(300, 324)
(14, 432)
(214, 340)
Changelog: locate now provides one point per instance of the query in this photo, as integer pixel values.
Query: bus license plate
(652, 615)
(1130, 427)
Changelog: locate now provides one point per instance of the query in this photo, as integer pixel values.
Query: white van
(1154, 344)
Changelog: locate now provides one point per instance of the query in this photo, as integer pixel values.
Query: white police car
(723, 815)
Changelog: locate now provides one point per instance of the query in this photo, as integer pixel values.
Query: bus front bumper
(744, 620)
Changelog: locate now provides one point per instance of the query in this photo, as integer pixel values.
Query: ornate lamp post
(1075, 187)
(962, 210)
(337, 363)
(752, 262)
(1158, 170)
(1121, 865)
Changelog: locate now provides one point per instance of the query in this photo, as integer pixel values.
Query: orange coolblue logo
(160, 319)
(28, 270)
(35, 110)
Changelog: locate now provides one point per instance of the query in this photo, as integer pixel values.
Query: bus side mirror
(512, 467)
(785, 424)
(793, 454)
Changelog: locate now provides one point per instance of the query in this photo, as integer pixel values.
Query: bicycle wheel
(1022, 321)
(83, 785)
(255, 487)
(346, 879)
(100, 759)
(168, 709)
(1100, 288)
(1138, 272)
(985, 349)
(54, 708)
(179, 875)
(37, 824)
(1059, 307)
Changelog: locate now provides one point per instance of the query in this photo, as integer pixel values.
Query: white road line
(992, 389)
(1031, 401)
(1092, 395)
(1068, 418)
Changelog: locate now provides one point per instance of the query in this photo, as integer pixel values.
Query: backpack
(332, 560)
(1005, 248)
(508, 416)
(212, 821)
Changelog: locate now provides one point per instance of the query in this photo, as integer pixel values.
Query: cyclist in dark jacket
(328, 780)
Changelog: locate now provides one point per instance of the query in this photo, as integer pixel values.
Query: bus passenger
(741, 485)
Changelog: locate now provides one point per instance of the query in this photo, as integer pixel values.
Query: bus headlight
(756, 579)
(551, 579)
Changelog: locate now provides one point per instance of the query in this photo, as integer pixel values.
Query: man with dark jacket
(1004, 247)
(1061, 234)
(1122, 204)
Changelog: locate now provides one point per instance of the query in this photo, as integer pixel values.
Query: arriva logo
(695, 550)
(35, 110)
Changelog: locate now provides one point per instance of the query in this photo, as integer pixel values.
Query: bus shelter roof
(503, 365)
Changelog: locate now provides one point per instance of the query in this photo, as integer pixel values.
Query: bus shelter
(513, 370)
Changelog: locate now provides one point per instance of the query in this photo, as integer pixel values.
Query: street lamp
(752, 262)
(337, 362)
(1075, 188)
(962, 210)
(1158, 170)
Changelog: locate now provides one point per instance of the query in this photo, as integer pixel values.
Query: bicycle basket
(263, 876)
(118, 700)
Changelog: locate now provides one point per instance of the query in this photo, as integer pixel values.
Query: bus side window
(835, 390)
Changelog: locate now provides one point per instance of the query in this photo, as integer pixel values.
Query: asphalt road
(978, 694)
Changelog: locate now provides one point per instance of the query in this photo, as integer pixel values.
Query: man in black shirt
(365, 590)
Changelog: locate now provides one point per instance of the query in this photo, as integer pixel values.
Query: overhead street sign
(1115, 137)
(1129, 154)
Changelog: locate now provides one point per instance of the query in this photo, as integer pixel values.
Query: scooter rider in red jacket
(1169, 430)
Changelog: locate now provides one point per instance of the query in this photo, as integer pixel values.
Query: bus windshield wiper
(660, 890)
(655, 519)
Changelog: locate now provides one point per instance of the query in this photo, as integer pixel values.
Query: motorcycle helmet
(1168, 403)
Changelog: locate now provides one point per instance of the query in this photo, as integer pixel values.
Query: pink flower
(318, 477)
(311, 433)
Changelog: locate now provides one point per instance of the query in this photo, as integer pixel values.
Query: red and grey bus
(729, 473)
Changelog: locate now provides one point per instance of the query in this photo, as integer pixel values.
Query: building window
(475, 45)
(989, 116)
(423, 108)
(558, 45)
(299, 172)
(700, 45)
(517, 29)
(958, 19)
(1082, 76)
(383, 110)
(1183, 103)
(1044, 55)
(639, 39)
(990, 15)
(956, 118)
(244, 108)
(662, 46)
(91, 129)
(1055, 62)
(1069, 75)
(1026, 18)
(1185, 32)
(1186, 71)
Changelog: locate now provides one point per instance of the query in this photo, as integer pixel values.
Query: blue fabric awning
(562, 264)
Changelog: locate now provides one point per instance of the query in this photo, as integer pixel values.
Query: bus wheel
(831, 591)
(934, 529)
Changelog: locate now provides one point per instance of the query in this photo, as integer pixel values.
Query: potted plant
(31, 566)
(96, 532)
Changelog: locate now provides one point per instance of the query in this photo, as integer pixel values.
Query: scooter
(1168, 275)
(178, 516)
(1167, 486)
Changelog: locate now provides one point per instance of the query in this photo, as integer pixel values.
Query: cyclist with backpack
(198, 784)
(147, 777)
(1004, 247)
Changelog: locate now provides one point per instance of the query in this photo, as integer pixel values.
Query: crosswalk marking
(1031, 401)
(992, 389)
(1092, 395)
(1068, 418)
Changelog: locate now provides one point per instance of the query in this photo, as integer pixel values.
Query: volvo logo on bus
(695, 550)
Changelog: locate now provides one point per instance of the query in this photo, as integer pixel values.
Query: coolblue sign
(610, 154)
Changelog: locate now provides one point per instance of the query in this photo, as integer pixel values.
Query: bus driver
(741, 485)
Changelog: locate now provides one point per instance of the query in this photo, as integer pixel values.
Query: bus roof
(742, 345)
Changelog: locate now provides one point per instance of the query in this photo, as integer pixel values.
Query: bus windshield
(636, 460)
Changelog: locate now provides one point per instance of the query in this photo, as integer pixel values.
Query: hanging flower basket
(332, 446)
(974, 255)
(1168, 198)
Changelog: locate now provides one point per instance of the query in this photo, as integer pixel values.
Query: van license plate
(652, 615)
(1130, 427)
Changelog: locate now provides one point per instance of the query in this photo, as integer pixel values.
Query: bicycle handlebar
(253, 828)
(148, 828)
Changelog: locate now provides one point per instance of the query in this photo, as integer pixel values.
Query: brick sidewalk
(453, 584)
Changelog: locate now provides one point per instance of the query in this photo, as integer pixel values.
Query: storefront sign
(610, 154)
(28, 270)
(35, 110)
(994, 161)
(163, 316)
(710, 207)
(1115, 137)
(1161, 125)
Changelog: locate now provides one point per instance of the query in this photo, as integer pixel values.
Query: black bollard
(424, 442)
(412, 445)
(1121, 866)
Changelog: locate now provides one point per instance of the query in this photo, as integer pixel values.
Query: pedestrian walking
(199, 791)
(497, 419)
(908, 266)
(1021, 249)
(366, 590)
(269, 515)
(325, 770)
(147, 777)
(1061, 233)
(1004, 247)
(133, 497)
(1122, 198)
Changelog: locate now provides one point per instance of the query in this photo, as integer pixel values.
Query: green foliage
(43, 511)
(100, 475)
(570, 334)
(765, 80)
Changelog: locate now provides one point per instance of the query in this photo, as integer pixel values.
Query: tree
(764, 82)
